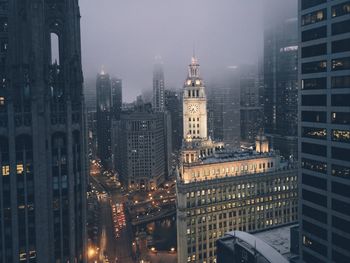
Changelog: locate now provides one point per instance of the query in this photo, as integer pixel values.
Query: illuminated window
(341, 136)
(5, 170)
(2, 101)
(19, 168)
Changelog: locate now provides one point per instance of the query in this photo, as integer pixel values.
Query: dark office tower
(42, 134)
(104, 115)
(281, 78)
(158, 86)
(251, 110)
(324, 123)
(117, 101)
(141, 158)
(173, 104)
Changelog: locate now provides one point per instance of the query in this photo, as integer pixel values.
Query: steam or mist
(126, 35)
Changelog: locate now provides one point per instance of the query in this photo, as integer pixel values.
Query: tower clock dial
(193, 108)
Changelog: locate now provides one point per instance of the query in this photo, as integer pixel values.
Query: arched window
(55, 49)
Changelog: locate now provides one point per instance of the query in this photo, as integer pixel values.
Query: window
(315, 33)
(315, 149)
(313, 84)
(315, 50)
(341, 241)
(55, 52)
(341, 9)
(341, 136)
(341, 189)
(315, 133)
(313, 116)
(315, 246)
(341, 45)
(339, 257)
(310, 3)
(314, 181)
(314, 17)
(341, 153)
(340, 64)
(312, 165)
(341, 224)
(313, 100)
(3, 24)
(314, 214)
(314, 198)
(341, 171)
(340, 118)
(2, 101)
(341, 100)
(341, 27)
(341, 207)
(314, 67)
(5, 170)
(341, 82)
(314, 229)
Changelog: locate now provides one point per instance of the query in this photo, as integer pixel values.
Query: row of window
(321, 49)
(321, 134)
(321, 66)
(321, 32)
(337, 10)
(321, 117)
(337, 100)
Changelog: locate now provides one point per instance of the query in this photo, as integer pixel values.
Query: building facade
(173, 104)
(104, 117)
(324, 130)
(42, 134)
(224, 108)
(281, 78)
(141, 156)
(116, 97)
(251, 110)
(222, 190)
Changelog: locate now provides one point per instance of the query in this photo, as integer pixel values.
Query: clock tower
(194, 105)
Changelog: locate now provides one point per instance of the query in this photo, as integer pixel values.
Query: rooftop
(278, 238)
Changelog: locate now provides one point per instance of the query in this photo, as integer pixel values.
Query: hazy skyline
(125, 36)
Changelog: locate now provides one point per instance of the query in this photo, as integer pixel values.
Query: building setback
(324, 130)
(42, 133)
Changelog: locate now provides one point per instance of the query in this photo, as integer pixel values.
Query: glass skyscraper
(324, 130)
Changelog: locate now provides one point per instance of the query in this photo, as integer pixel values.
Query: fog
(126, 35)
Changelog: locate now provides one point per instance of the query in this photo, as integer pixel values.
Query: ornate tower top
(193, 71)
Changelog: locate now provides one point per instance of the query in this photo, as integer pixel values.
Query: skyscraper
(158, 86)
(281, 77)
(42, 135)
(141, 155)
(251, 110)
(117, 97)
(173, 104)
(224, 107)
(104, 116)
(324, 126)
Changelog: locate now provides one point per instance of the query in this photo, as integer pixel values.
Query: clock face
(193, 108)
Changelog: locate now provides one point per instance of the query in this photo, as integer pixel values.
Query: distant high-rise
(104, 115)
(158, 86)
(173, 104)
(251, 110)
(224, 108)
(281, 79)
(141, 155)
(324, 130)
(117, 97)
(42, 134)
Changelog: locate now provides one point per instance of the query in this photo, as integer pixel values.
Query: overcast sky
(126, 35)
